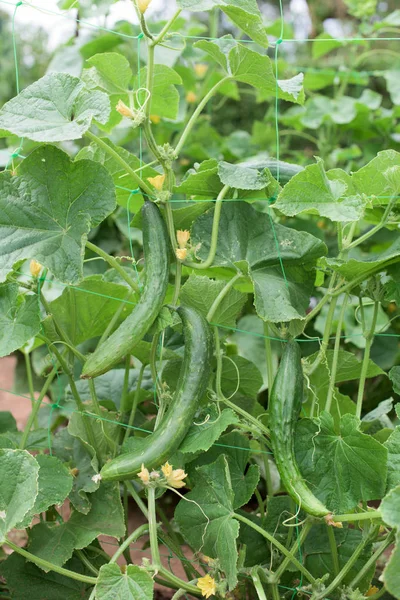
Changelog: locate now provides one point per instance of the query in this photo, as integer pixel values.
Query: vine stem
(155, 552)
(294, 549)
(135, 402)
(137, 179)
(354, 517)
(31, 388)
(281, 548)
(258, 585)
(129, 540)
(159, 38)
(115, 317)
(214, 233)
(333, 549)
(347, 567)
(36, 407)
(377, 227)
(369, 338)
(372, 560)
(221, 396)
(137, 498)
(335, 359)
(44, 564)
(221, 296)
(197, 113)
(114, 264)
(268, 357)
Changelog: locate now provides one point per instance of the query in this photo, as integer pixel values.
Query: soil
(20, 407)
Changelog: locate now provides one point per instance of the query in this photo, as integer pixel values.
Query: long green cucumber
(279, 169)
(131, 331)
(159, 446)
(284, 409)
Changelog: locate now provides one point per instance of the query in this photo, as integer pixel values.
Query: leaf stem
(354, 517)
(44, 564)
(30, 383)
(197, 113)
(372, 560)
(125, 387)
(159, 38)
(214, 233)
(114, 264)
(84, 559)
(278, 545)
(258, 585)
(137, 179)
(335, 359)
(369, 338)
(293, 551)
(268, 357)
(377, 227)
(134, 403)
(115, 317)
(36, 407)
(137, 498)
(333, 549)
(129, 540)
(221, 296)
(155, 552)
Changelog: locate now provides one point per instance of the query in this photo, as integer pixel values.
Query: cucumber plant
(204, 318)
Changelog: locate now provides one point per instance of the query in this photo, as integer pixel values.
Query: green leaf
(342, 467)
(372, 180)
(323, 44)
(55, 483)
(202, 435)
(391, 573)
(93, 304)
(26, 580)
(72, 451)
(393, 447)
(243, 178)
(251, 241)
(19, 487)
(56, 543)
(111, 72)
(393, 85)
(165, 97)
(7, 422)
(239, 375)
(244, 13)
(200, 292)
(19, 318)
(394, 376)
(312, 191)
(105, 430)
(48, 217)
(134, 583)
(55, 108)
(205, 517)
(390, 508)
(124, 183)
(203, 180)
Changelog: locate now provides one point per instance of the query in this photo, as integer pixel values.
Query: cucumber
(159, 446)
(131, 331)
(284, 409)
(286, 170)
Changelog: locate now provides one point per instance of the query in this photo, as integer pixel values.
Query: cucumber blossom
(159, 446)
(131, 331)
(284, 410)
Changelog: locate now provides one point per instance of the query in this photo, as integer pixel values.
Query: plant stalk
(114, 264)
(369, 338)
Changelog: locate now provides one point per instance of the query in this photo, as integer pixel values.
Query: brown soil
(20, 407)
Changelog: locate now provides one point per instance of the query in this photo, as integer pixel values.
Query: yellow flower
(207, 586)
(144, 475)
(124, 110)
(143, 5)
(200, 69)
(174, 477)
(157, 181)
(35, 268)
(191, 97)
(181, 253)
(183, 236)
(155, 119)
(372, 590)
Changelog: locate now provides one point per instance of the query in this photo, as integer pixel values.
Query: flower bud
(143, 5)
(191, 97)
(181, 253)
(155, 119)
(124, 110)
(35, 268)
(200, 69)
(144, 475)
(183, 236)
(157, 182)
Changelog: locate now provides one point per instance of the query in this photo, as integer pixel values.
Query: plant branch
(129, 540)
(114, 264)
(369, 338)
(221, 296)
(335, 359)
(159, 38)
(36, 407)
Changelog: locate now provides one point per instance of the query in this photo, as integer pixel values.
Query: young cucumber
(284, 409)
(159, 446)
(131, 331)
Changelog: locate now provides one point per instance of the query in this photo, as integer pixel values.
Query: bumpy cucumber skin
(131, 331)
(159, 446)
(284, 409)
(286, 170)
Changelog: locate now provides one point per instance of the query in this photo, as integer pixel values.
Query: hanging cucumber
(279, 169)
(131, 331)
(284, 409)
(159, 446)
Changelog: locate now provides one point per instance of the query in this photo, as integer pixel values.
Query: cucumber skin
(286, 170)
(131, 331)
(284, 409)
(159, 446)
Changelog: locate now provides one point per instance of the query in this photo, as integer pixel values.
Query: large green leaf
(19, 318)
(47, 210)
(393, 447)
(312, 191)
(165, 97)
(19, 487)
(342, 467)
(56, 543)
(205, 517)
(201, 435)
(85, 311)
(374, 179)
(55, 483)
(55, 108)
(203, 180)
(240, 376)
(134, 583)
(200, 293)
(247, 66)
(244, 13)
(251, 241)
